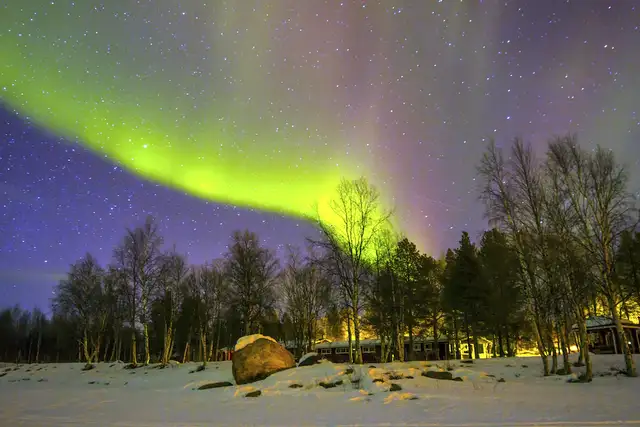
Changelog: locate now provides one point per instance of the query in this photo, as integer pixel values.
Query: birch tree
(573, 273)
(305, 291)
(174, 272)
(80, 296)
(349, 240)
(514, 198)
(595, 186)
(210, 282)
(628, 265)
(139, 259)
(251, 270)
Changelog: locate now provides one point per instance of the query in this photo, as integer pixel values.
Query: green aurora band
(143, 124)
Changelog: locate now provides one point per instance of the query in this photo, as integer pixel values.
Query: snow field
(322, 394)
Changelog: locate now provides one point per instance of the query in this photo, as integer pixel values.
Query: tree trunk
(116, 346)
(147, 352)
(358, 350)
(584, 347)
(168, 341)
(349, 333)
(185, 355)
(172, 343)
(476, 347)
(96, 350)
(568, 325)
(118, 349)
(247, 326)
(387, 353)
(626, 350)
(456, 336)
(85, 347)
(468, 332)
(551, 343)
(581, 353)
(134, 348)
(29, 349)
(38, 346)
(399, 346)
(203, 346)
(494, 346)
(309, 327)
(566, 365)
(218, 332)
(541, 347)
(107, 344)
(500, 343)
(434, 326)
(356, 326)
(410, 329)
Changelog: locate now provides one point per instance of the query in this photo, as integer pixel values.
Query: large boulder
(256, 357)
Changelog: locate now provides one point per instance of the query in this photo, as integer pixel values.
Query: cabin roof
(603, 322)
(369, 342)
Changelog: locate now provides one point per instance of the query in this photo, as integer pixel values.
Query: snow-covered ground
(109, 395)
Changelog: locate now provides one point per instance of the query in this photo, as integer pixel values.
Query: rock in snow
(309, 359)
(259, 357)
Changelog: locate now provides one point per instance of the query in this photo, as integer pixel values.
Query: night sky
(205, 114)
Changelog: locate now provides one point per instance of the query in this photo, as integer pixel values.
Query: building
(423, 349)
(603, 337)
(293, 348)
(485, 349)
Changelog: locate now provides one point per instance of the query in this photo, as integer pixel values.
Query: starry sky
(220, 115)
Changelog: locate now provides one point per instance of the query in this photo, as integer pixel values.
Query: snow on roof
(598, 322)
(250, 339)
(594, 322)
(369, 342)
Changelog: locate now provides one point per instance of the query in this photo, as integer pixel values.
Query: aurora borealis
(265, 105)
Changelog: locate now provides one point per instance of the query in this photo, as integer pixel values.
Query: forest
(562, 244)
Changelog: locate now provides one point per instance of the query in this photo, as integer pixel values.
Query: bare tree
(430, 292)
(595, 187)
(80, 296)
(139, 258)
(115, 290)
(207, 285)
(386, 260)
(292, 290)
(514, 197)
(39, 321)
(251, 270)
(172, 278)
(215, 299)
(305, 292)
(573, 272)
(348, 241)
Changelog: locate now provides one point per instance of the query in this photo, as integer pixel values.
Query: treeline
(564, 247)
(572, 224)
